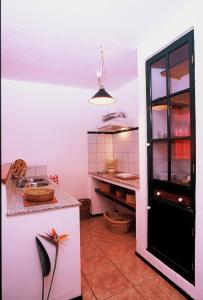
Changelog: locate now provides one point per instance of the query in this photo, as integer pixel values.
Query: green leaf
(48, 239)
(44, 258)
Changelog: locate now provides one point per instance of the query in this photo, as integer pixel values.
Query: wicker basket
(85, 208)
(118, 222)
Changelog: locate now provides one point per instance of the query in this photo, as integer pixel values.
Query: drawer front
(175, 198)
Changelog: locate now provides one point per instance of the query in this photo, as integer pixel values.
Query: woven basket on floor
(84, 208)
(118, 222)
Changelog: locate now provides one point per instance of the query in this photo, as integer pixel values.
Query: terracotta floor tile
(129, 294)
(120, 252)
(87, 246)
(136, 271)
(158, 288)
(107, 238)
(93, 261)
(107, 282)
(113, 271)
(87, 293)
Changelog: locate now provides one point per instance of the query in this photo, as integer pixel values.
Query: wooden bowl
(36, 194)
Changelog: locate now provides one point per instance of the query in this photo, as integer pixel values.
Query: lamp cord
(100, 73)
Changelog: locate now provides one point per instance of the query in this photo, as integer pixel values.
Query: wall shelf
(121, 201)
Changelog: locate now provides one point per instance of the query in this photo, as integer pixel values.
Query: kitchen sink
(32, 182)
(36, 184)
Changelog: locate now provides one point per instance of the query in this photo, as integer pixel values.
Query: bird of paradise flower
(55, 239)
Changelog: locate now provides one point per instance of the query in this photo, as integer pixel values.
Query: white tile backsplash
(100, 157)
(92, 148)
(40, 170)
(101, 166)
(92, 167)
(31, 171)
(100, 148)
(108, 147)
(108, 139)
(100, 138)
(122, 147)
(92, 157)
(92, 138)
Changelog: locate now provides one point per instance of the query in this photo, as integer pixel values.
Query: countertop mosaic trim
(15, 200)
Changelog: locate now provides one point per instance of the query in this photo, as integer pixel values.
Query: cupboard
(171, 155)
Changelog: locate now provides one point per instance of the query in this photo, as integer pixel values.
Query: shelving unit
(109, 193)
(117, 200)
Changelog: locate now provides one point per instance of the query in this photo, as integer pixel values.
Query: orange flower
(53, 237)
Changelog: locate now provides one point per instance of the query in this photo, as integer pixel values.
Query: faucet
(20, 181)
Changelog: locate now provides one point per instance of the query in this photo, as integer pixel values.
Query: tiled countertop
(15, 200)
(133, 183)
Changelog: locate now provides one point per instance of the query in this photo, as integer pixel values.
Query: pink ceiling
(57, 42)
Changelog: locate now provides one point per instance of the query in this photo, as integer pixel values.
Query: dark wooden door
(171, 236)
(171, 155)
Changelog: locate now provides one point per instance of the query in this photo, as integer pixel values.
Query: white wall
(189, 17)
(127, 102)
(47, 125)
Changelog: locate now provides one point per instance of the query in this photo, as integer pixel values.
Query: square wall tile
(100, 166)
(109, 155)
(92, 167)
(108, 147)
(100, 138)
(108, 139)
(92, 138)
(100, 148)
(92, 148)
(100, 157)
(92, 157)
(41, 170)
(31, 171)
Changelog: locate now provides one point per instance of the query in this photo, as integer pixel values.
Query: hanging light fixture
(101, 97)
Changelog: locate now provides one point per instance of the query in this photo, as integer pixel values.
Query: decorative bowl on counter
(38, 194)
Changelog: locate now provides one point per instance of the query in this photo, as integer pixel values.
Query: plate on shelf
(126, 176)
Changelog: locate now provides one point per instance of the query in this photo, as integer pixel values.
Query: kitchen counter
(21, 271)
(132, 183)
(15, 200)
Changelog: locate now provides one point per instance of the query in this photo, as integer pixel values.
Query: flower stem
(42, 287)
(56, 255)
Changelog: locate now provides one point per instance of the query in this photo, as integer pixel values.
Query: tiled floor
(111, 270)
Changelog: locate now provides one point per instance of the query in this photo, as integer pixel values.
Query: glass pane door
(159, 120)
(181, 162)
(158, 79)
(160, 160)
(180, 115)
(179, 69)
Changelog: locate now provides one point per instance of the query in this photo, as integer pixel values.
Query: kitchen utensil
(19, 168)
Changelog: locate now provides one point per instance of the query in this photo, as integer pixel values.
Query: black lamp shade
(102, 97)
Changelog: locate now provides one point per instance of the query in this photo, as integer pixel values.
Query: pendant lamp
(101, 97)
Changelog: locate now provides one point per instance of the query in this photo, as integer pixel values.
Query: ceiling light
(101, 97)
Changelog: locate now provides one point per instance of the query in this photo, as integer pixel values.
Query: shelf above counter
(131, 184)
